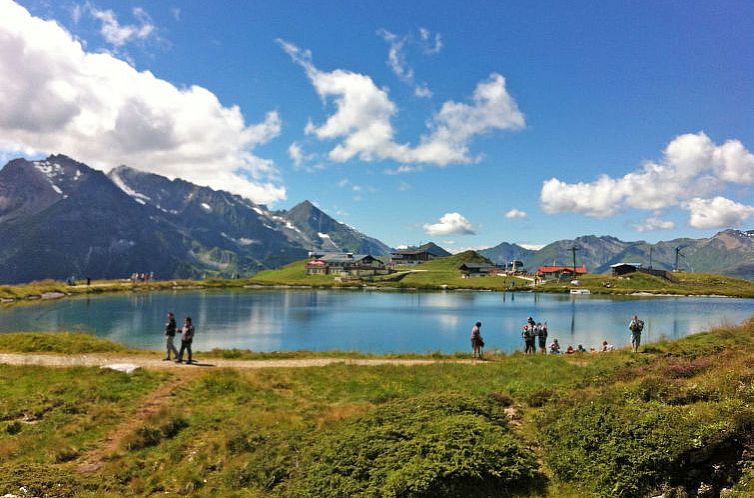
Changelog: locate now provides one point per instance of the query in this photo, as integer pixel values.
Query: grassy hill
(693, 284)
(675, 419)
(444, 273)
(441, 273)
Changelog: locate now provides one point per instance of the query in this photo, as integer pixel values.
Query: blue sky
(654, 98)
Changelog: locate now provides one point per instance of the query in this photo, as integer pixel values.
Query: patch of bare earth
(149, 405)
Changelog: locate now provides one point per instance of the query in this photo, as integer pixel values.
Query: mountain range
(59, 217)
(730, 252)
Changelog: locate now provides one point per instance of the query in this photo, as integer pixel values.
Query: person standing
(170, 328)
(636, 326)
(542, 336)
(187, 336)
(477, 343)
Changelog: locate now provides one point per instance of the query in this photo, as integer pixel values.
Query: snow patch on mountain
(118, 181)
(51, 172)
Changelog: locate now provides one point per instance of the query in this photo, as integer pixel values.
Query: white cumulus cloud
(653, 223)
(516, 214)
(118, 34)
(362, 119)
(450, 224)
(57, 97)
(691, 166)
(717, 212)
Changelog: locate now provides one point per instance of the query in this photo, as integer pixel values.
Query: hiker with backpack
(477, 343)
(528, 334)
(636, 326)
(187, 337)
(542, 336)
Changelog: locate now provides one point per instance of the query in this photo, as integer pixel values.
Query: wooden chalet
(346, 264)
(416, 255)
(469, 270)
(620, 269)
(558, 271)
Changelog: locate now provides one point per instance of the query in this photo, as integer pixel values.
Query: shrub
(502, 399)
(13, 427)
(151, 434)
(434, 446)
(685, 369)
(629, 449)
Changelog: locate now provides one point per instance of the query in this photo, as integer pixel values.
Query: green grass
(50, 417)
(292, 274)
(57, 342)
(591, 425)
(694, 284)
(441, 273)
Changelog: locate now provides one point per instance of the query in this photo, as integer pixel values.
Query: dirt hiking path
(155, 363)
(150, 404)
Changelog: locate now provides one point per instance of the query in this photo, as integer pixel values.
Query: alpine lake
(371, 321)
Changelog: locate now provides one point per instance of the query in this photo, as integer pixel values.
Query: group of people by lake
(187, 337)
(141, 277)
(535, 334)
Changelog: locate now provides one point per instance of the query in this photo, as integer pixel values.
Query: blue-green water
(372, 321)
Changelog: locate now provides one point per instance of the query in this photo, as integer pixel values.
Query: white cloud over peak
(652, 223)
(691, 166)
(56, 97)
(363, 114)
(531, 247)
(717, 212)
(297, 155)
(515, 214)
(450, 224)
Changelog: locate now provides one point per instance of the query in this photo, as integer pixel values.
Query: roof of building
(475, 266)
(555, 268)
(635, 265)
(347, 258)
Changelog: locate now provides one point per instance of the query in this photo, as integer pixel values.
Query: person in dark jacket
(477, 343)
(170, 328)
(187, 336)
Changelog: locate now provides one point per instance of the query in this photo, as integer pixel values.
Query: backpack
(637, 325)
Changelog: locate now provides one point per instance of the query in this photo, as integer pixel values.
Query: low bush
(633, 448)
(430, 446)
(164, 425)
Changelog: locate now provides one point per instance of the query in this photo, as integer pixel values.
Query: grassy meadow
(441, 273)
(674, 419)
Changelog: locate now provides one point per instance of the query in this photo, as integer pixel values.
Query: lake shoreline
(60, 290)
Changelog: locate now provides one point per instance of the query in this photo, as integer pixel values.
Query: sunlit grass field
(671, 419)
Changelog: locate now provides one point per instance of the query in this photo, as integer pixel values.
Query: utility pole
(573, 252)
(678, 254)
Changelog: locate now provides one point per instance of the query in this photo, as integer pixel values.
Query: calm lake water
(371, 321)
